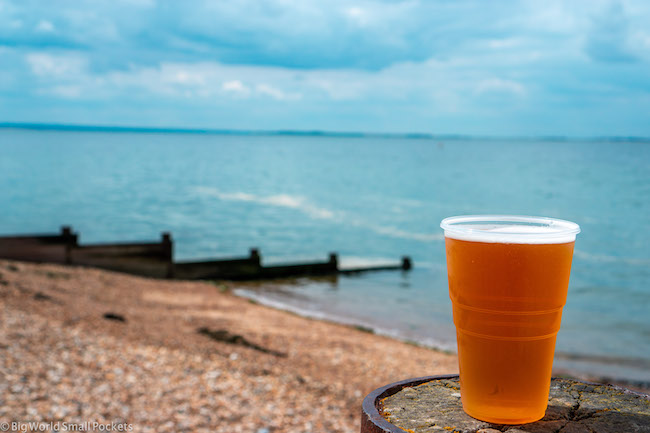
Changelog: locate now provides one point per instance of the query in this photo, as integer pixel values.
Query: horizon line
(37, 126)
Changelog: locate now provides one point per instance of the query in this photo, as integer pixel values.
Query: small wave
(279, 200)
(312, 311)
(301, 204)
(602, 258)
(397, 233)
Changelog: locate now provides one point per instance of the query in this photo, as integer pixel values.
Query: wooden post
(168, 244)
(406, 263)
(255, 256)
(334, 261)
(168, 251)
(431, 404)
(70, 240)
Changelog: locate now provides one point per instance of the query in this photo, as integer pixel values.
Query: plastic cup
(508, 281)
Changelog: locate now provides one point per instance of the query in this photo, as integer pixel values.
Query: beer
(508, 280)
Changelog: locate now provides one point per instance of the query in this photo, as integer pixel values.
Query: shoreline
(586, 367)
(392, 334)
(82, 344)
(449, 136)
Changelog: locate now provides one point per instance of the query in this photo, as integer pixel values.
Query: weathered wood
(155, 259)
(39, 248)
(151, 259)
(299, 269)
(432, 404)
(247, 267)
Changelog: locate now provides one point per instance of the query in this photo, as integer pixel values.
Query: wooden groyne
(39, 248)
(225, 269)
(155, 259)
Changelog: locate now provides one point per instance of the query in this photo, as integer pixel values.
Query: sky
(578, 68)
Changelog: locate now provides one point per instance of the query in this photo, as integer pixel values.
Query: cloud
(275, 93)
(56, 66)
(186, 77)
(236, 86)
(45, 26)
(69, 91)
(497, 85)
(370, 35)
(438, 66)
(356, 15)
(59, 74)
(607, 40)
(265, 89)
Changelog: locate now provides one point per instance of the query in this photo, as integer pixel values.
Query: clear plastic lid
(511, 229)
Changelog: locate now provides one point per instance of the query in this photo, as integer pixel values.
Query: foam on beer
(523, 230)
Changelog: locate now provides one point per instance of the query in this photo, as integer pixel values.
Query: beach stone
(574, 407)
(114, 316)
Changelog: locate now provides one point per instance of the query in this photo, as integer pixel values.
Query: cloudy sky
(440, 66)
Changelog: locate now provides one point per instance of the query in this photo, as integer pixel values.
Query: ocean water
(372, 200)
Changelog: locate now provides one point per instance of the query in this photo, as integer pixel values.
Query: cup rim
(462, 225)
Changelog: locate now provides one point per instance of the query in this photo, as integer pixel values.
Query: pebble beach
(81, 345)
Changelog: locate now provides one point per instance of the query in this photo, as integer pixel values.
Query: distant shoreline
(33, 126)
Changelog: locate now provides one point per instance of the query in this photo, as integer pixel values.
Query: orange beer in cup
(508, 281)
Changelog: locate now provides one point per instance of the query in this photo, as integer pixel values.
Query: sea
(370, 198)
